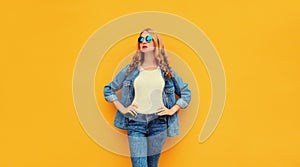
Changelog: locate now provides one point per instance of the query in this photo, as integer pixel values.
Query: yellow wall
(257, 43)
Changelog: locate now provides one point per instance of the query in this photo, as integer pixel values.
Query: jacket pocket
(126, 83)
(169, 96)
(169, 90)
(126, 93)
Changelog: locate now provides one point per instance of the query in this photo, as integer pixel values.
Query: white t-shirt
(148, 88)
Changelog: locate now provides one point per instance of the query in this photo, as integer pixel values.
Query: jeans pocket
(162, 119)
(131, 119)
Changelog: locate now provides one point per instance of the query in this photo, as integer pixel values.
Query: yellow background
(258, 45)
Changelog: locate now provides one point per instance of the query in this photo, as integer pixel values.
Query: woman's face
(146, 42)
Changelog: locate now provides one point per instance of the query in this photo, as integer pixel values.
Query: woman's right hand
(132, 109)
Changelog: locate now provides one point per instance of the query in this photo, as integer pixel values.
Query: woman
(148, 108)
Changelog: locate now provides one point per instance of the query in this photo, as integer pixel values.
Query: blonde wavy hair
(159, 54)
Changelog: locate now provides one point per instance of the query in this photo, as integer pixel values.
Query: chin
(147, 50)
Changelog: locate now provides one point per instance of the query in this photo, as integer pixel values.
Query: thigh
(138, 148)
(137, 138)
(157, 135)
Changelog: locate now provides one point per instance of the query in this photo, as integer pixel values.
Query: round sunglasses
(148, 39)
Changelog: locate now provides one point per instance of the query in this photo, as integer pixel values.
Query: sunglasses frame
(148, 39)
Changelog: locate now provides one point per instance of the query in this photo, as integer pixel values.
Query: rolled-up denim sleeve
(115, 85)
(182, 90)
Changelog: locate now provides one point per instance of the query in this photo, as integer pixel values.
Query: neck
(149, 59)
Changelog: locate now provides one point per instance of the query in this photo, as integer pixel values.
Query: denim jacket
(173, 86)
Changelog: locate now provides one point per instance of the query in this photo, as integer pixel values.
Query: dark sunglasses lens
(141, 39)
(148, 38)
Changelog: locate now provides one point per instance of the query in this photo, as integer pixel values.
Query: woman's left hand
(166, 111)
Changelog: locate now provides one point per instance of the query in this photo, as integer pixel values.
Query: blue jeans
(147, 134)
